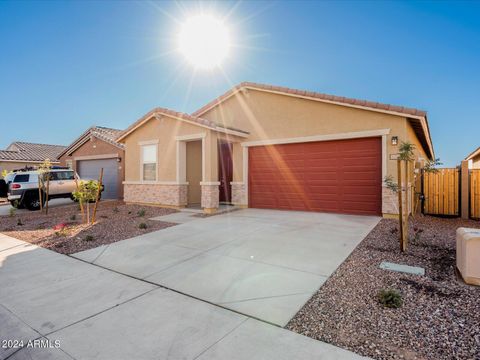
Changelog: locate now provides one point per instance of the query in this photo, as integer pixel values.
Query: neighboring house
(270, 147)
(474, 159)
(20, 154)
(95, 149)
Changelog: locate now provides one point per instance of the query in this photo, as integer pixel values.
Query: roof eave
(474, 154)
(81, 140)
(157, 113)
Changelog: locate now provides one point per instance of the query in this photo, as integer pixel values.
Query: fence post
(465, 188)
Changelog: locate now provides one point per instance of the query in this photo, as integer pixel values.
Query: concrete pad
(38, 353)
(254, 340)
(316, 255)
(7, 242)
(91, 254)
(278, 310)
(414, 270)
(262, 262)
(144, 261)
(158, 325)
(35, 280)
(13, 328)
(5, 210)
(178, 218)
(223, 279)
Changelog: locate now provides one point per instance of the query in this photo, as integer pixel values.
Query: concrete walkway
(262, 263)
(96, 313)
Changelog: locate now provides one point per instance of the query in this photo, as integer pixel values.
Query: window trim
(142, 162)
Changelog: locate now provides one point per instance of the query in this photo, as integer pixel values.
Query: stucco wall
(165, 131)
(274, 116)
(95, 147)
(476, 162)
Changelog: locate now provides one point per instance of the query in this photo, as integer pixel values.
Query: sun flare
(204, 41)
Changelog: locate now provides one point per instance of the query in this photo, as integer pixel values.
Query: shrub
(390, 298)
(141, 212)
(115, 210)
(60, 226)
(142, 226)
(12, 212)
(73, 217)
(19, 222)
(129, 212)
(89, 238)
(417, 234)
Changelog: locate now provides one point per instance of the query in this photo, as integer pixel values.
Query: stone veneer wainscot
(169, 194)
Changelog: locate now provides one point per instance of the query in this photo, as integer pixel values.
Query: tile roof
(417, 118)
(24, 151)
(180, 115)
(314, 95)
(106, 134)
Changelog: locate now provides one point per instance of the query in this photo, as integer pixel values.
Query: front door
(225, 171)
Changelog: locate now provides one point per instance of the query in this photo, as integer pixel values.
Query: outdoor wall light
(394, 140)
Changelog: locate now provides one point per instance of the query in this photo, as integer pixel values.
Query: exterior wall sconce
(394, 140)
(119, 159)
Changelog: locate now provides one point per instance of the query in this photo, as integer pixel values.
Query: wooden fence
(442, 192)
(475, 193)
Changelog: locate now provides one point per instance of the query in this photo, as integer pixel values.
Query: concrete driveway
(265, 264)
(81, 311)
(5, 208)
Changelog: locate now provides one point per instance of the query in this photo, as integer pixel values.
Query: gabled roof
(182, 117)
(473, 154)
(417, 118)
(103, 133)
(30, 152)
(371, 105)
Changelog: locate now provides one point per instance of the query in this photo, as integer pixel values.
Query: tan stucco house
(94, 150)
(20, 154)
(271, 147)
(474, 159)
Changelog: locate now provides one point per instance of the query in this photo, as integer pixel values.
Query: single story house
(474, 159)
(95, 149)
(19, 155)
(271, 147)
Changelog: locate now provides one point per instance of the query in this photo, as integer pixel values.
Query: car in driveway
(23, 187)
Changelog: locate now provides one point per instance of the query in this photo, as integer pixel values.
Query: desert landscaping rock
(440, 315)
(64, 233)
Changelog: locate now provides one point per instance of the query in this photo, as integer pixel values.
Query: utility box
(468, 255)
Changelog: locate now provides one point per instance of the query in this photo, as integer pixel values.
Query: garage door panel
(334, 176)
(90, 169)
(328, 175)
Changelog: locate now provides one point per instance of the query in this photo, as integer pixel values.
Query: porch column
(210, 195)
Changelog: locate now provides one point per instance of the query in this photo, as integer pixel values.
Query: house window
(69, 163)
(149, 162)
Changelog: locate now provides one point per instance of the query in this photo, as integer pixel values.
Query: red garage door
(342, 176)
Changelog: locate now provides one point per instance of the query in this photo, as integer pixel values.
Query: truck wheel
(32, 202)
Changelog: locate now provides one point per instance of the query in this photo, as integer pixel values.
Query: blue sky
(65, 66)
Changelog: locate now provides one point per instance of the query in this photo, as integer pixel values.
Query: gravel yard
(62, 229)
(440, 315)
